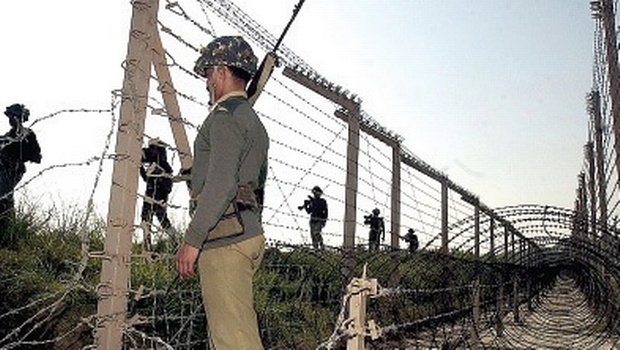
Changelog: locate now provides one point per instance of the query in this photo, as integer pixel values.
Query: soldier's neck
(230, 94)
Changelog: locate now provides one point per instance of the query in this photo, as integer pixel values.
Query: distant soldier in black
(317, 208)
(157, 173)
(17, 147)
(377, 229)
(412, 239)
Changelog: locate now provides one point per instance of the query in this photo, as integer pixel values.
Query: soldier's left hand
(186, 257)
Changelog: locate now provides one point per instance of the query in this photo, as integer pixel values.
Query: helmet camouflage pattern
(230, 51)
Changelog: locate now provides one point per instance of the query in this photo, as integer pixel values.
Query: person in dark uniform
(157, 173)
(317, 208)
(377, 229)
(412, 239)
(17, 147)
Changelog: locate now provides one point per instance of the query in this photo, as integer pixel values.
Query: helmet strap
(212, 87)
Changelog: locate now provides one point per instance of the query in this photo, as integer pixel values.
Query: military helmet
(156, 142)
(230, 51)
(317, 189)
(17, 110)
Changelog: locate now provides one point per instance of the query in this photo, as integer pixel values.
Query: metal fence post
(515, 299)
(475, 339)
(500, 309)
(444, 218)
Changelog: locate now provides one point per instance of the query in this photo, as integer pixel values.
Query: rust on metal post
(115, 271)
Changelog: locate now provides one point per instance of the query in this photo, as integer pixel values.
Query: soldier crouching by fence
(17, 147)
(317, 208)
(157, 173)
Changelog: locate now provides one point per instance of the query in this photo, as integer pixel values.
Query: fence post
(475, 339)
(355, 326)
(395, 194)
(594, 109)
(477, 230)
(609, 26)
(500, 309)
(444, 217)
(492, 236)
(350, 194)
(530, 295)
(112, 290)
(505, 242)
(515, 299)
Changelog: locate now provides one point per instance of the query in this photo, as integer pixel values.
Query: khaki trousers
(226, 281)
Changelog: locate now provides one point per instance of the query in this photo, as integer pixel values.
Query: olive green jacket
(230, 150)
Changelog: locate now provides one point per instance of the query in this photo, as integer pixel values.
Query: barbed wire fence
(428, 299)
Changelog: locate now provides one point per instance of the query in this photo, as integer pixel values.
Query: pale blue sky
(490, 92)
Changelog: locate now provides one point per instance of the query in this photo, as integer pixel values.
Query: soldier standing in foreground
(230, 167)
